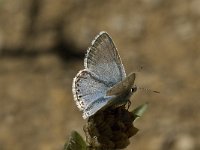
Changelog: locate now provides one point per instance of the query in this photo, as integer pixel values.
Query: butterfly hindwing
(97, 105)
(87, 88)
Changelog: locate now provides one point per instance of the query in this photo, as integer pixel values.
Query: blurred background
(42, 46)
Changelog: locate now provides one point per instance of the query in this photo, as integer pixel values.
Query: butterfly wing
(103, 59)
(103, 69)
(87, 88)
(95, 106)
(116, 95)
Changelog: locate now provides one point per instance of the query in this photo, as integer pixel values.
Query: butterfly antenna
(147, 90)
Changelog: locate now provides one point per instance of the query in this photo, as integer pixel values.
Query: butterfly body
(103, 82)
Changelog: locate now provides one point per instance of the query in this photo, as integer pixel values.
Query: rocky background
(42, 46)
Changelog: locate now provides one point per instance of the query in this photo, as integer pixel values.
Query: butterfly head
(134, 89)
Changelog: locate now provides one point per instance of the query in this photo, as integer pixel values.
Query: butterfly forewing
(102, 59)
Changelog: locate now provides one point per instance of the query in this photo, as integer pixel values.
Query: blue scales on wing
(103, 59)
(87, 89)
(103, 69)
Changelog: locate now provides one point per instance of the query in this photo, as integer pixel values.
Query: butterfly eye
(134, 89)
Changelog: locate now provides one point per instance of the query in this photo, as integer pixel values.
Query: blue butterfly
(103, 82)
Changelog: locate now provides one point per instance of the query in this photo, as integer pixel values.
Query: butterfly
(103, 81)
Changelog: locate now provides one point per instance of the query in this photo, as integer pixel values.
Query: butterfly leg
(129, 103)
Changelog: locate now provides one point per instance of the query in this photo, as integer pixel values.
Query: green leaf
(75, 142)
(139, 111)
